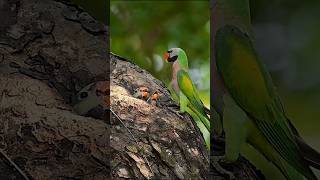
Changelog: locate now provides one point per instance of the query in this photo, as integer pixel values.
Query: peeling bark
(49, 50)
(55, 42)
(42, 135)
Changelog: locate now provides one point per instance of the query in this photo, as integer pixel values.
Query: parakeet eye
(172, 59)
(83, 95)
(169, 51)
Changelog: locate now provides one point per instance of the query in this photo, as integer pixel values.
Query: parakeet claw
(216, 160)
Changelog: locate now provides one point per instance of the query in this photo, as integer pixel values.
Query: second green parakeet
(253, 111)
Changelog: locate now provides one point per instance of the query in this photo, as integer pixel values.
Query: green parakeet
(186, 92)
(253, 111)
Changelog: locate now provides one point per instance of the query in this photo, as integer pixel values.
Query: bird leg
(177, 112)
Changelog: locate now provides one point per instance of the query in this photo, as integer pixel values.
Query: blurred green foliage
(143, 30)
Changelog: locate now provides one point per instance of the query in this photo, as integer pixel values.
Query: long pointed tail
(310, 155)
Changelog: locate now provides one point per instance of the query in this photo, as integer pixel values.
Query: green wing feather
(249, 83)
(187, 88)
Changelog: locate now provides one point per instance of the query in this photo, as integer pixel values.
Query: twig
(14, 165)
(124, 125)
(135, 140)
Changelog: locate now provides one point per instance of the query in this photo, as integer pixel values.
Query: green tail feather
(205, 132)
(289, 172)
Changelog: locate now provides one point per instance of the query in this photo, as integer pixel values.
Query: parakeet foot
(216, 160)
(178, 113)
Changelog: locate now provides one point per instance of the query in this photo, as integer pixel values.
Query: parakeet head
(174, 54)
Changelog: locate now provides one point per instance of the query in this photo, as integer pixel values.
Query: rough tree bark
(49, 50)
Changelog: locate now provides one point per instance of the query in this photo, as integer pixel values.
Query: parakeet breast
(175, 69)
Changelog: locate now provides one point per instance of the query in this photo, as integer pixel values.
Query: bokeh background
(287, 36)
(142, 31)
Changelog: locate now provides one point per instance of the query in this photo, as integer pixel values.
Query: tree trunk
(48, 51)
(159, 142)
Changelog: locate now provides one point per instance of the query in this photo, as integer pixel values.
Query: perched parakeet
(186, 92)
(253, 111)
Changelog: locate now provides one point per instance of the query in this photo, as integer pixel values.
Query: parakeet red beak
(166, 56)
